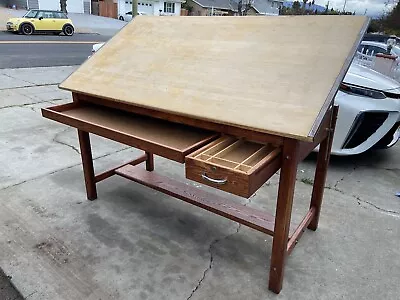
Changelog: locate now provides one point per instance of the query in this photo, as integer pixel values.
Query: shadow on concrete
(7, 289)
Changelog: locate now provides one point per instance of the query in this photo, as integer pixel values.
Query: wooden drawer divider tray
(233, 165)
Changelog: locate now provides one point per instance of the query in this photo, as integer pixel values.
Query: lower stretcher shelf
(248, 216)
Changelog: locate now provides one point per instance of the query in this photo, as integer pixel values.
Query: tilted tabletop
(276, 75)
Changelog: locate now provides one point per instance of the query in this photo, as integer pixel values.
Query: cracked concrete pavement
(135, 243)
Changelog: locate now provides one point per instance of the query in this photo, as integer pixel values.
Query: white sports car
(369, 111)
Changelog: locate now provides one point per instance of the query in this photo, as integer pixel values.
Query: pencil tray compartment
(233, 165)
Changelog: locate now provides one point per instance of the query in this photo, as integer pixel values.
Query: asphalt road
(19, 51)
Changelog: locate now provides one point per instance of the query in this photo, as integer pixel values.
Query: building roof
(263, 6)
(219, 4)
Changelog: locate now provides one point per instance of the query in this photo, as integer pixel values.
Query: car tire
(26, 29)
(68, 30)
(121, 18)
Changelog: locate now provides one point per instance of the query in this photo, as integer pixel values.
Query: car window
(371, 50)
(30, 14)
(45, 15)
(364, 49)
(375, 50)
(49, 15)
(59, 15)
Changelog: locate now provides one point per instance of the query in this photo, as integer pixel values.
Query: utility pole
(344, 5)
(63, 6)
(134, 8)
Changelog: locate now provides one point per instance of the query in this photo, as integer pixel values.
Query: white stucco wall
(160, 5)
(153, 9)
(73, 6)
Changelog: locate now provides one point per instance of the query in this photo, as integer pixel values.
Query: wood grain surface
(269, 74)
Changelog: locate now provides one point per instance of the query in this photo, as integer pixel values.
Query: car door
(45, 21)
(58, 20)
(39, 21)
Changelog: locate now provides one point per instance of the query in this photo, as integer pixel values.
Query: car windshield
(30, 14)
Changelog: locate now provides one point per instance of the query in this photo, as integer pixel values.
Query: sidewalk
(136, 243)
(83, 23)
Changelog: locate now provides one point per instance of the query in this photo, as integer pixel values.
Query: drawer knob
(215, 181)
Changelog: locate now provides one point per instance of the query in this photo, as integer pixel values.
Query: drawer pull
(215, 181)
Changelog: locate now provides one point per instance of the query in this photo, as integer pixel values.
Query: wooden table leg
(87, 162)
(149, 161)
(321, 171)
(283, 213)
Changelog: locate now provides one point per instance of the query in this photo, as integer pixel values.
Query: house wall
(252, 12)
(87, 7)
(21, 4)
(73, 6)
(125, 6)
(147, 7)
(160, 6)
(33, 4)
(201, 11)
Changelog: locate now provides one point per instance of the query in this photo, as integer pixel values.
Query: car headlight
(361, 91)
(9, 23)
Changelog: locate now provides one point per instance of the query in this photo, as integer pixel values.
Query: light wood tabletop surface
(270, 74)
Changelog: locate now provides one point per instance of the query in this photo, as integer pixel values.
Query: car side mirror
(41, 18)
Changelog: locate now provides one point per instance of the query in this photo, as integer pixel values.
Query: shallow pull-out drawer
(171, 140)
(233, 165)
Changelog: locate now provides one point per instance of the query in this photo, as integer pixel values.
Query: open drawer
(170, 140)
(233, 165)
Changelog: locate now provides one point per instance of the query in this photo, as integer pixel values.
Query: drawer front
(218, 177)
(233, 165)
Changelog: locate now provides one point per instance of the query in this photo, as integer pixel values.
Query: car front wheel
(121, 18)
(68, 30)
(27, 29)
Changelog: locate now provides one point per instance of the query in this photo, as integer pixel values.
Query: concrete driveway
(135, 243)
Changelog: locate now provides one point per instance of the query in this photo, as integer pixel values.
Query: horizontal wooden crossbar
(111, 172)
(300, 230)
(248, 216)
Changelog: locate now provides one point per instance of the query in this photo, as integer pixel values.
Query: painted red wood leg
(283, 214)
(87, 162)
(149, 161)
(321, 171)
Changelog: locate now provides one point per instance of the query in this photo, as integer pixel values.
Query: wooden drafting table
(234, 98)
